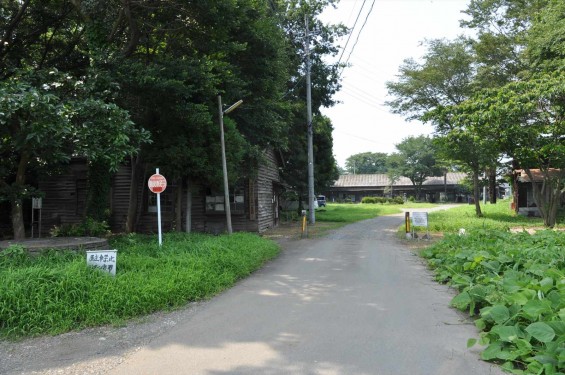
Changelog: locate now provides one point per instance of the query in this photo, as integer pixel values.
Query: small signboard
(157, 183)
(104, 260)
(36, 203)
(419, 219)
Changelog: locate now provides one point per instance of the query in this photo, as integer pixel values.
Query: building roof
(382, 180)
(537, 174)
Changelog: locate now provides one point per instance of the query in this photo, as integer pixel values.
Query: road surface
(355, 302)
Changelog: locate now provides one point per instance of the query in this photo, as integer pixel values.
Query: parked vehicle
(321, 201)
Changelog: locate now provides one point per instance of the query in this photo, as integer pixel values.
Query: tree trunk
(188, 213)
(17, 202)
(178, 206)
(492, 185)
(547, 197)
(476, 194)
(18, 219)
(132, 206)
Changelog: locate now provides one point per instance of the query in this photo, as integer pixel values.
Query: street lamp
(224, 165)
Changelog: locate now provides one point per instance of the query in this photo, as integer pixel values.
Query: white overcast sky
(393, 32)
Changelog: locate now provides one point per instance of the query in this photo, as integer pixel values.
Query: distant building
(353, 187)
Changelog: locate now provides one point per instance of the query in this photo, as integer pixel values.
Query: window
(166, 200)
(215, 201)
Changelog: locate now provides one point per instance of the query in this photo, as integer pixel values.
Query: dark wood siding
(65, 201)
(120, 198)
(267, 179)
(65, 196)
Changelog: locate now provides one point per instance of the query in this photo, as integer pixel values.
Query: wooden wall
(65, 201)
(267, 180)
(65, 196)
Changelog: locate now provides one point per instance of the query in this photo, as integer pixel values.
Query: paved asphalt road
(355, 302)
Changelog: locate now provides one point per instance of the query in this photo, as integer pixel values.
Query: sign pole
(159, 213)
(157, 184)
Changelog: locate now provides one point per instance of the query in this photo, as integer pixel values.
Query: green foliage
(367, 163)
(382, 200)
(56, 292)
(89, 227)
(416, 159)
(513, 284)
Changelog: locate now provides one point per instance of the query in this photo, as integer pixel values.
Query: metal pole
(159, 213)
(224, 167)
(311, 196)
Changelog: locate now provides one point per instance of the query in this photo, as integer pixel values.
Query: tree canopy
(128, 72)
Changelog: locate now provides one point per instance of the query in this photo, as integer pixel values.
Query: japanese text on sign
(157, 183)
(419, 219)
(104, 260)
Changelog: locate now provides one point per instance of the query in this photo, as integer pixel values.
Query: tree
(46, 118)
(416, 160)
(444, 78)
(423, 91)
(528, 118)
(366, 163)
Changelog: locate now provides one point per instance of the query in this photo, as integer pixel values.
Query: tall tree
(417, 161)
(445, 78)
(367, 163)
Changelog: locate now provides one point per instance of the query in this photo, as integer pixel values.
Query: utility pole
(311, 196)
(224, 167)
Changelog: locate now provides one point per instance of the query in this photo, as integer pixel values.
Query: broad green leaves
(520, 301)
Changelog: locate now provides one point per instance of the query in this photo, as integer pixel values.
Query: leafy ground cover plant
(514, 284)
(56, 292)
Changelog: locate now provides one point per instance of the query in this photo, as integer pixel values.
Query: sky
(393, 32)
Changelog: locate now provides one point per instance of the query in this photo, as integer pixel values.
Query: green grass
(56, 292)
(350, 213)
(495, 216)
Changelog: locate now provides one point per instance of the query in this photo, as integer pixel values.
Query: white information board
(104, 260)
(419, 219)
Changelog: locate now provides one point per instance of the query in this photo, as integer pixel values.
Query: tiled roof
(380, 180)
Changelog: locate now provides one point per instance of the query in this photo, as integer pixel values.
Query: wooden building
(253, 202)
(523, 196)
(354, 187)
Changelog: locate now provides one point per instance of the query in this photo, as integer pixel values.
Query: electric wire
(351, 32)
(358, 35)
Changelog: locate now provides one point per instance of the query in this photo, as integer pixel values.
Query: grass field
(56, 292)
(495, 216)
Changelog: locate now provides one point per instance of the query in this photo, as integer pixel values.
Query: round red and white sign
(157, 183)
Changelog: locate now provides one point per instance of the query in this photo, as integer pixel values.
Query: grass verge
(56, 292)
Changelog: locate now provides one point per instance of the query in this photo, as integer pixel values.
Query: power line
(359, 34)
(351, 32)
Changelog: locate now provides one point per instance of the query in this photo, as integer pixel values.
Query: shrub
(371, 200)
(398, 200)
(89, 227)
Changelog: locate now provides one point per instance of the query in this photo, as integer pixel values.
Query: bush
(513, 283)
(89, 227)
(398, 200)
(368, 200)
